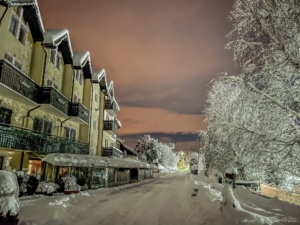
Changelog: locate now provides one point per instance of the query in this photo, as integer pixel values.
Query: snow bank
(167, 169)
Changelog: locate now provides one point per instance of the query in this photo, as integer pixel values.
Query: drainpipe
(44, 66)
(6, 8)
(61, 123)
(73, 81)
(91, 106)
(28, 115)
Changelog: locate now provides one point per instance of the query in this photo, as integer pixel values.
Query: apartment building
(51, 101)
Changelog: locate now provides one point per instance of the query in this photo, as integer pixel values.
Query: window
(70, 133)
(42, 126)
(13, 26)
(34, 167)
(51, 83)
(5, 115)
(22, 35)
(95, 124)
(55, 58)
(8, 57)
(63, 171)
(17, 27)
(18, 65)
(106, 143)
(96, 97)
(76, 98)
(78, 76)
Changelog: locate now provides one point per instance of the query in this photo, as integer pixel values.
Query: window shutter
(73, 134)
(47, 127)
(37, 124)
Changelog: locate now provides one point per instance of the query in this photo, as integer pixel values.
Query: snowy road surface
(166, 200)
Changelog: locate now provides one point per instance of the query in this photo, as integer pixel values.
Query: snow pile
(212, 192)
(47, 187)
(167, 169)
(231, 206)
(62, 201)
(9, 192)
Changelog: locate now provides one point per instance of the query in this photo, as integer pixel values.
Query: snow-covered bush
(152, 151)
(9, 193)
(71, 183)
(47, 187)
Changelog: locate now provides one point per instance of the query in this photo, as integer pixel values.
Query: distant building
(127, 151)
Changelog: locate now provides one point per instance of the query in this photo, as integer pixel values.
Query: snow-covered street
(163, 200)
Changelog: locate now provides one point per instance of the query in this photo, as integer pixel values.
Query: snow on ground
(164, 200)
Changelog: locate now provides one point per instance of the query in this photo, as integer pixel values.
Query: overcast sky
(161, 55)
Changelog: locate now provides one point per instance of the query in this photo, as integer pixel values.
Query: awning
(75, 160)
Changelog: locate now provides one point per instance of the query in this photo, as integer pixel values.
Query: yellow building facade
(51, 101)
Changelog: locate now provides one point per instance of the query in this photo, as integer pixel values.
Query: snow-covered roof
(82, 60)
(126, 147)
(110, 88)
(60, 39)
(118, 122)
(111, 93)
(99, 76)
(77, 160)
(20, 2)
(32, 15)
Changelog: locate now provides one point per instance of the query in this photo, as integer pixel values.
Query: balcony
(79, 113)
(112, 151)
(111, 107)
(54, 102)
(16, 85)
(25, 139)
(110, 127)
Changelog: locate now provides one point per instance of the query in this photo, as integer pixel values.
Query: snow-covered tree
(148, 149)
(168, 157)
(151, 150)
(254, 118)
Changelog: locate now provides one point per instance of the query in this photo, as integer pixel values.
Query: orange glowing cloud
(148, 120)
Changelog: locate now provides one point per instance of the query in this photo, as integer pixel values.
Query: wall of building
(9, 43)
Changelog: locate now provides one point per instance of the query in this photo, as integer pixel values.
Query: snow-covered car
(9, 198)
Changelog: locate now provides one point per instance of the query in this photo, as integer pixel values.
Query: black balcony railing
(50, 95)
(77, 109)
(112, 151)
(111, 105)
(25, 139)
(18, 81)
(110, 126)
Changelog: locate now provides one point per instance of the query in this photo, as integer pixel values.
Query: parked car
(9, 198)
(253, 185)
(194, 168)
